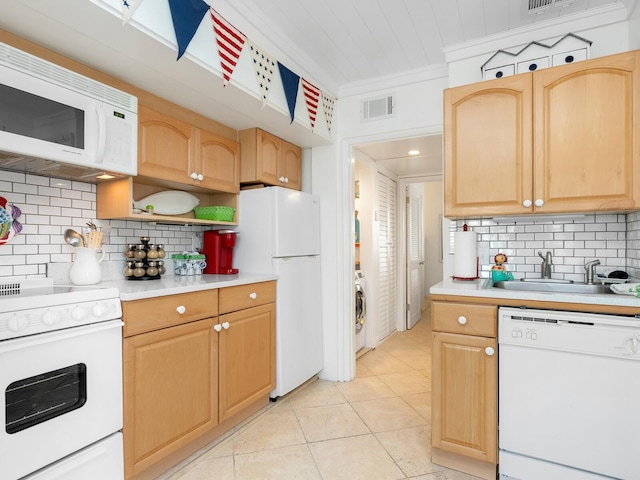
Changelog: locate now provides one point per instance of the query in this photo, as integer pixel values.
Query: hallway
(376, 427)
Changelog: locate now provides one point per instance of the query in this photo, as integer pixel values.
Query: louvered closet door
(387, 293)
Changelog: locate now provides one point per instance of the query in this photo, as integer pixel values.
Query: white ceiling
(339, 43)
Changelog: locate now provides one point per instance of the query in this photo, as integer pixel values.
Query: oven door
(61, 391)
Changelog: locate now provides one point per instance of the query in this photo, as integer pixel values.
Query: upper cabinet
(267, 159)
(559, 140)
(173, 150)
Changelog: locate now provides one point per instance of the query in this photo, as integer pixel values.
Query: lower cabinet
(192, 371)
(464, 387)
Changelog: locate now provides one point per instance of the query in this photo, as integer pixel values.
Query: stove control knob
(17, 322)
(50, 317)
(99, 310)
(78, 313)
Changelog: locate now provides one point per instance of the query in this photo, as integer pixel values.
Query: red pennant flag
(311, 96)
(230, 43)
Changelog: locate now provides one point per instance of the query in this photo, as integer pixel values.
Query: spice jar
(161, 268)
(161, 251)
(128, 270)
(140, 252)
(152, 270)
(153, 252)
(130, 251)
(139, 271)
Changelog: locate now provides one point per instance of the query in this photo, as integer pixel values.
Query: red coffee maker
(218, 248)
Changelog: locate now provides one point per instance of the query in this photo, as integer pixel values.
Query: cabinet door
(247, 357)
(290, 165)
(165, 146)
(268, 157)
(488, 147)
(217, 162)
(585, 135)
(170, 391)
(464, 395)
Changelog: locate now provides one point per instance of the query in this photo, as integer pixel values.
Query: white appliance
(279, 233)
(60, 381)
(56, 122)
(568, 395)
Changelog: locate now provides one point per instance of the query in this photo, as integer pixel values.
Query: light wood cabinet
(464, 387)
(558, 140)
(172, 150)
(191, 374)
(267, 159)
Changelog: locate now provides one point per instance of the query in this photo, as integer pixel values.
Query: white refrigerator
(279, 233)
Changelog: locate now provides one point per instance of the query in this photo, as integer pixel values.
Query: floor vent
(376, 108)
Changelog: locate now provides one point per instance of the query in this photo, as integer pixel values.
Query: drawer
(247, 296)
(467, 319)
(149, 314)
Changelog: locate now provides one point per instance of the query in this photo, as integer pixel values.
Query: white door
(415, 260)
(386, 233)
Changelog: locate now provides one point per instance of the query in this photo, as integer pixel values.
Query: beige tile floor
(376, 427)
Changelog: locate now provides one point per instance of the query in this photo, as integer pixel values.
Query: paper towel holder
(454, 277)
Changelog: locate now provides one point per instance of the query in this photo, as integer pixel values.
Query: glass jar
(130, 251)
(152, 270)
(153, 252)
(140, 252)
(161, 251)
(161, 268)
(139, 271)
(128, 270)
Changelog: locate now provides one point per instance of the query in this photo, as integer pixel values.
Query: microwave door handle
(102, 133)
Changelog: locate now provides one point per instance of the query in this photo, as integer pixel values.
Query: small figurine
(499, 271)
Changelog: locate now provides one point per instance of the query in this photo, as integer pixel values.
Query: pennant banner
(290, 82)
(311, 96)
(230, 43)
(264, 66)
(187, 16)
(328, 102)
(128, 7)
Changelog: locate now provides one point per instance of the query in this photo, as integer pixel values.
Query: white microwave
(55, 122)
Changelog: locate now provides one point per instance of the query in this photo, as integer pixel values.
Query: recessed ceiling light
(414, 152)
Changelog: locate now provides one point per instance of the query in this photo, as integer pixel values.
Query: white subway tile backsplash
(50, 206)
(612, 238)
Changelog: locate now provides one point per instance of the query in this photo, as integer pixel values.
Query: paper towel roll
(465, 263)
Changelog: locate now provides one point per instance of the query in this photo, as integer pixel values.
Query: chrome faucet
(590, 267)
(545, 269)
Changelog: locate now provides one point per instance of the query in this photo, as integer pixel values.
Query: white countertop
(482, 288)
(175, 284)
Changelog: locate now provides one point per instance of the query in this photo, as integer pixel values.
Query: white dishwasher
(569, 395)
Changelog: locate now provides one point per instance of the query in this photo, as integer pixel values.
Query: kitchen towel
(465, 258)
(626, 288)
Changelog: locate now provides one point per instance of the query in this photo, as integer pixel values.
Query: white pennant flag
(328, 101)
(128, 7)
(264, 67)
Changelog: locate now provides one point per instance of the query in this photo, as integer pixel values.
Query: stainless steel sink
(554, 286)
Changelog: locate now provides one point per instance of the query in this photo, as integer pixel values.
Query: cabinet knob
(225, 325)
(462, 320)
(286, 179)
(200, 177)
(281, 180)
(217, 327)
(489, 351)
(527, 203)
(253, 295)
(539, 202)
(194, 176)
(181, 309)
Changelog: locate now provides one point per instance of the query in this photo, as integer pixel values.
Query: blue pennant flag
(290, 82)
(187, 16)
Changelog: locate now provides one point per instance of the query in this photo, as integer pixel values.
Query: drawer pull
(462, 320)
(181, 309)
(225, 325)
(489, 351)
(217, 327)
(253, 295)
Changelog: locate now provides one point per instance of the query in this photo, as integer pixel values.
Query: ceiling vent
(376, 108)
(538, 7)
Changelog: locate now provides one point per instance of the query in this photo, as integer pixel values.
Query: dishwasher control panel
(593, 334)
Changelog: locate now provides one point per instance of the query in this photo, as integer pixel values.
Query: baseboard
(463, 464)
